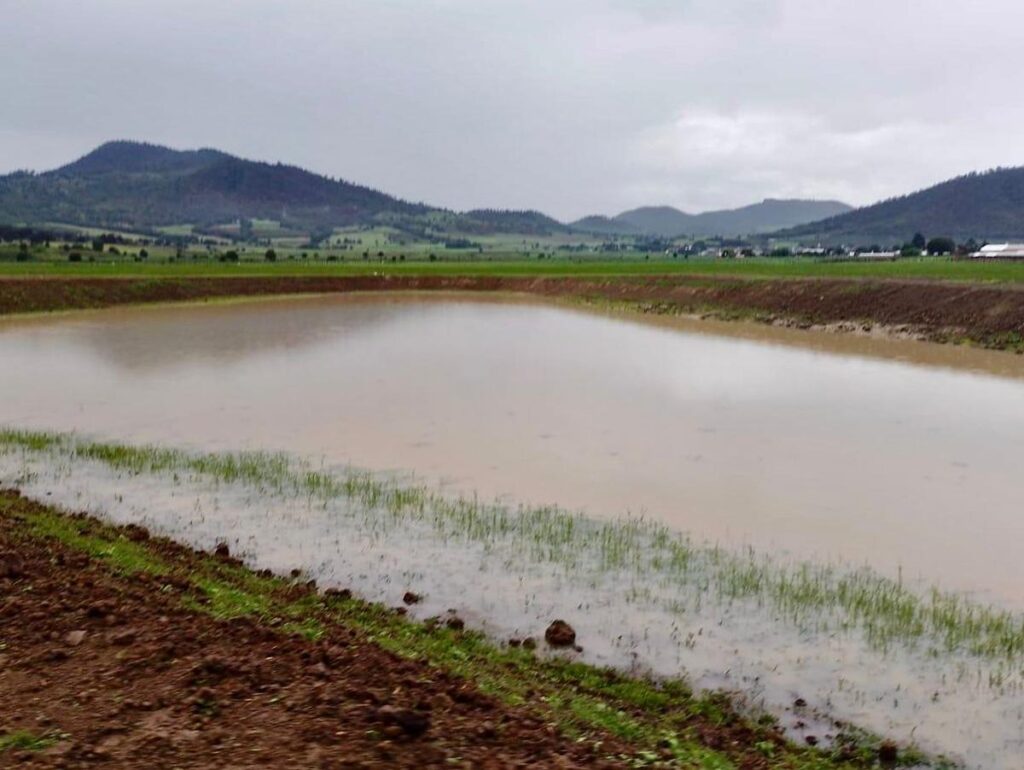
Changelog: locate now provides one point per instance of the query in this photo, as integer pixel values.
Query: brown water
(841, 449)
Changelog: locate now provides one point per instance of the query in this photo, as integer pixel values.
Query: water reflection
(826, 455)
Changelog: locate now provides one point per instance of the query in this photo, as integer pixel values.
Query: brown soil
(986, 314)
(131, 679)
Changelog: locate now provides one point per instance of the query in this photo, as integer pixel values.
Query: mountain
(984, 206)
(656, 220)
(138, 157)
(665, 221)
(136, 185)
(602, 225)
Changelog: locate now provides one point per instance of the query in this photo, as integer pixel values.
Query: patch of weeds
(24, 740)
(118, 551)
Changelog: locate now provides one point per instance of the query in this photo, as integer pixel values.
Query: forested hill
(132, 184)
(984, 206)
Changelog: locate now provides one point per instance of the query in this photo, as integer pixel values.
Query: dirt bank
(120, 649)
(984, 314)
(116, 672)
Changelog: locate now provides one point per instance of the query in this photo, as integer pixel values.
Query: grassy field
(929, 268)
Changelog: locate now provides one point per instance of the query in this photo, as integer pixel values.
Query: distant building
(876, 254)
(1000, 251)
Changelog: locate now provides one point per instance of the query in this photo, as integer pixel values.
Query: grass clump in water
(809, 596)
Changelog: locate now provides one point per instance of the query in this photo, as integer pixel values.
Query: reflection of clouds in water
(161, 339)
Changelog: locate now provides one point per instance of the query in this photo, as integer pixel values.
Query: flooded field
(799, 504)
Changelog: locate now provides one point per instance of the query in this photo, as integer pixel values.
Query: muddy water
(913, 467)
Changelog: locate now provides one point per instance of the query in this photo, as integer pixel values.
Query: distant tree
(270, 255)
(910, 250)
(97, 244)
(970, 247)
(918, 241)
(782, 251)
(941, 245)
(229, 256)
(74, 256)
(143, 254)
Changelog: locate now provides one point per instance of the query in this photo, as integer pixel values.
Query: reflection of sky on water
(902, 466)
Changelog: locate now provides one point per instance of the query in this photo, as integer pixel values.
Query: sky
(572, 107)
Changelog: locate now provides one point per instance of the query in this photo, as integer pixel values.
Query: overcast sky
(569, 106)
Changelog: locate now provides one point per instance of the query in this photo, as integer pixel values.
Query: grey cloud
(572, 106)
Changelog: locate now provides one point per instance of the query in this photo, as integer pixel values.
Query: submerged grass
(812, 597)
(663, 723)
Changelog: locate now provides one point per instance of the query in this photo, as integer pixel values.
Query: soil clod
(412, 723)
(560, 634)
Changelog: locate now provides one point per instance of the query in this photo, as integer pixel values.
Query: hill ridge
(984, 205)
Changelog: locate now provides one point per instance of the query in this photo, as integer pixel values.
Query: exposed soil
(129, 678)
(991, 315)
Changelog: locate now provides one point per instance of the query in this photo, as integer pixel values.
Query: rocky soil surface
(116, 672)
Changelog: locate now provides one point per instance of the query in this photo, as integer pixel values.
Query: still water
(903, 456)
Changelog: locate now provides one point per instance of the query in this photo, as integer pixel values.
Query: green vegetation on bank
(927, 268)
(662, 723)
(23, 740)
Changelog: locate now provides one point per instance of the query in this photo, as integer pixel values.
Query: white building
(1000, 251)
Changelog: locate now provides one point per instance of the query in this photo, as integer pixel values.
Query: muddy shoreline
(121, 649)
(986, 315)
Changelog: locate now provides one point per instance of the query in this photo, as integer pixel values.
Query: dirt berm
(990, 315)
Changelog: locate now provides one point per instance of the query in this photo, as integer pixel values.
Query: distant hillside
(138, 157)
(985, 206)
(668, 222)
(656, 220)
(482, 221)
(130, 184)
(602, 225)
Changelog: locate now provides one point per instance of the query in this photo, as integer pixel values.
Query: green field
(934, 268)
